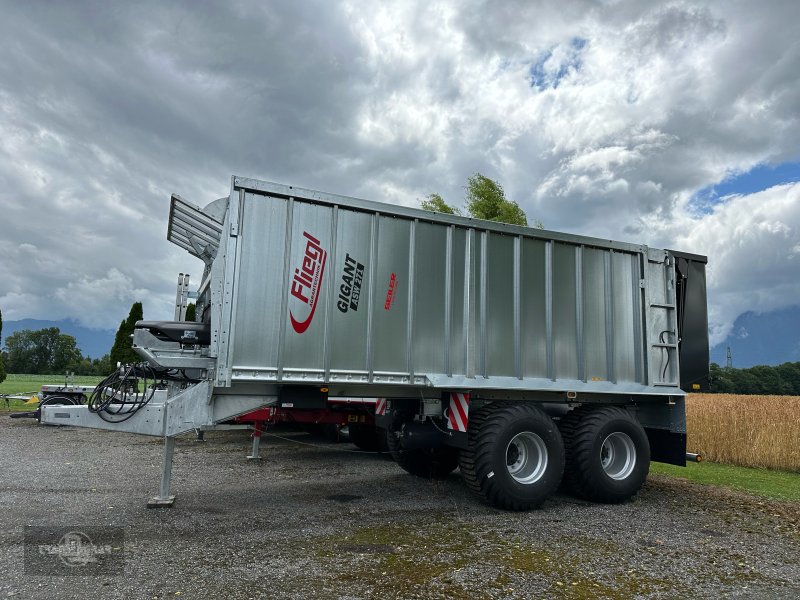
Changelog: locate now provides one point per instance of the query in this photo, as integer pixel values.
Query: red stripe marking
(453, 423)
(456, 399)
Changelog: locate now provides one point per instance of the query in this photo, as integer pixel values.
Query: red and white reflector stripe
(380, 406)
(458, 415)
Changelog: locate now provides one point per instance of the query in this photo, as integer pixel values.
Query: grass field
(777, 485)
(749, 431)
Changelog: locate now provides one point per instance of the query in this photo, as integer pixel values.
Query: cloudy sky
(673, 124)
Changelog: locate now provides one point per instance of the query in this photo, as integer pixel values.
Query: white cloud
(98, 300)
(751, 244)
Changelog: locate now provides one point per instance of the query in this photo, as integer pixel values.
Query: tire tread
(580, 428)
(486, 426)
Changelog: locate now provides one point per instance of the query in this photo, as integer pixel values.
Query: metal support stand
(164, 500)
(201, 435)
(254, 455)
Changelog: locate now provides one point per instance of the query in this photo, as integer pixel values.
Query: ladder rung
(660, 305)
(665, 345)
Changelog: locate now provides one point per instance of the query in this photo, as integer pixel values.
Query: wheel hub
(526, 457)
(618, 455)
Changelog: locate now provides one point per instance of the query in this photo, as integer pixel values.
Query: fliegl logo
(307, 282)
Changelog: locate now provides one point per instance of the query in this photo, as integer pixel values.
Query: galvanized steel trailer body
(445, 302)
(360, 298)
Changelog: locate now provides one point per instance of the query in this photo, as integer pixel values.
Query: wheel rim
(526, 457)
(618, 455)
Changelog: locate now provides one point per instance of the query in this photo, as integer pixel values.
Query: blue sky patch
(543, 76)
(760, 177)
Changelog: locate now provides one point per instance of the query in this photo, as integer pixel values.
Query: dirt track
(319, 521)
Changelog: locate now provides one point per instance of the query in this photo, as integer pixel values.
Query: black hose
(117, 397)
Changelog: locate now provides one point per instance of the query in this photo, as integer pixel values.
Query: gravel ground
(328, 522)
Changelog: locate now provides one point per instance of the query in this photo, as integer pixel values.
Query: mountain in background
(762, 339)
(92, 342)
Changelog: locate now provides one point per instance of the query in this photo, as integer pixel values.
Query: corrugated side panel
(334, 293)
(258, 286)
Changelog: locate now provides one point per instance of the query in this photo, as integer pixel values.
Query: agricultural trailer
(521, 356)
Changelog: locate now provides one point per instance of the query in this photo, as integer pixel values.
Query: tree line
(50, 352)
(760, 380)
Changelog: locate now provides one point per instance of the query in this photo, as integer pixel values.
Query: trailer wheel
(430, 463)
(515, 456)
(608, 454)
(368, 437)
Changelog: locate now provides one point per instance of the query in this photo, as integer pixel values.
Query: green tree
(2, 367)
(43, 351)
(487, 200)
(121, 351)
(191, 312)
(102, 366)
(720, 381)
(762, 379)
(435, 203)
(83, 366)
(790, 374)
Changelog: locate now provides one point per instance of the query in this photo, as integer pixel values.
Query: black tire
(524, 434)
(368, 437)
(428, 463)
(608, 454)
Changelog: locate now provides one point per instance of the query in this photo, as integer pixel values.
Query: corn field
(750, 431)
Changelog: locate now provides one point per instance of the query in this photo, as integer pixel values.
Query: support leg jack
(164, 500)
(254, 455)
